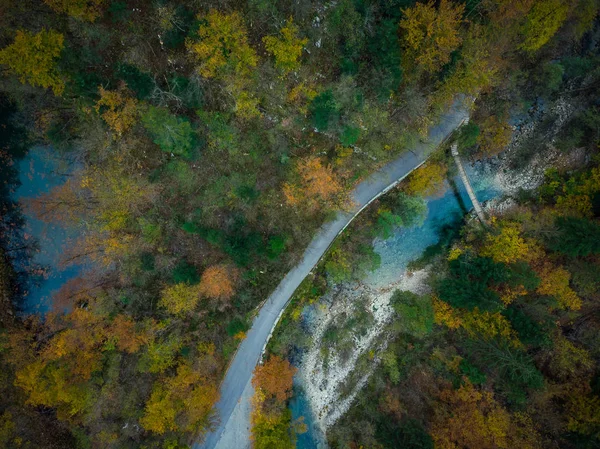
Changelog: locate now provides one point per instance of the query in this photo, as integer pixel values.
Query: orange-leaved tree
(55, 366)
(470, 418)
(317, 187)
(274, 378)
(218, 282)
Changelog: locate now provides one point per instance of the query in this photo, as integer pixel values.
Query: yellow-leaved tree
(118, 111)
(555, 282)
(445, 315)
(286, 48)
(426, 180)
(223, 52)
(506, 244)
(494, 137)
(542, 22)
(222, 46)
(33, 58)
(180, 299)
(430, 35)
(180, 403)
(88, 10)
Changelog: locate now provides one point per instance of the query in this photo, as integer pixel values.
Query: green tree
(576, 237)
(467, 285)
(531, 332)
(514, 369)
(542, 22)
(324, 110)
(415, 312)
(411, 209)
(33, 58)
(386, 223)
(171, 133)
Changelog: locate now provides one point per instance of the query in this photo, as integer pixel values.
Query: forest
(207, 143)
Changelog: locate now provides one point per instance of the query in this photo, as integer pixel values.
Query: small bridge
(467, 183)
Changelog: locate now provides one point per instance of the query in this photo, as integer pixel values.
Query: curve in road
(242, 366)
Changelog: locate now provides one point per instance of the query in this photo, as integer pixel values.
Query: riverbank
(331, 382)
(240, 370)
(329, 388)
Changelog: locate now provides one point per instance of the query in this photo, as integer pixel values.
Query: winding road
(242, 366)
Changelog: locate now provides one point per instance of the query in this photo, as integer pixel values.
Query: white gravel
(323, 380)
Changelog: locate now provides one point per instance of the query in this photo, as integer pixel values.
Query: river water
(444, 212)
(40, 171)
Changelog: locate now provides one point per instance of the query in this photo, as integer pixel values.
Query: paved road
(241, 368)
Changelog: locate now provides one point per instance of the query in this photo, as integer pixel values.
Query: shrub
(139, 82)
(185, 273)
(415, 312)
(323, 110)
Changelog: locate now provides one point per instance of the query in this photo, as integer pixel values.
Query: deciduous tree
(542, 22)
(33, 58)
(171, 133)
(555, 282)
(471, 419)
(88, 10)
(222, 46)
(488, 326)
(430, 34)
(416, 314)
(505, 244)
(494, 137)
(181, 298)
(218, 282)
(274, 378)
(182, 402)
(445, 315)
(318, 185)
(286, 48)
(119, 112)
(427, 180)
